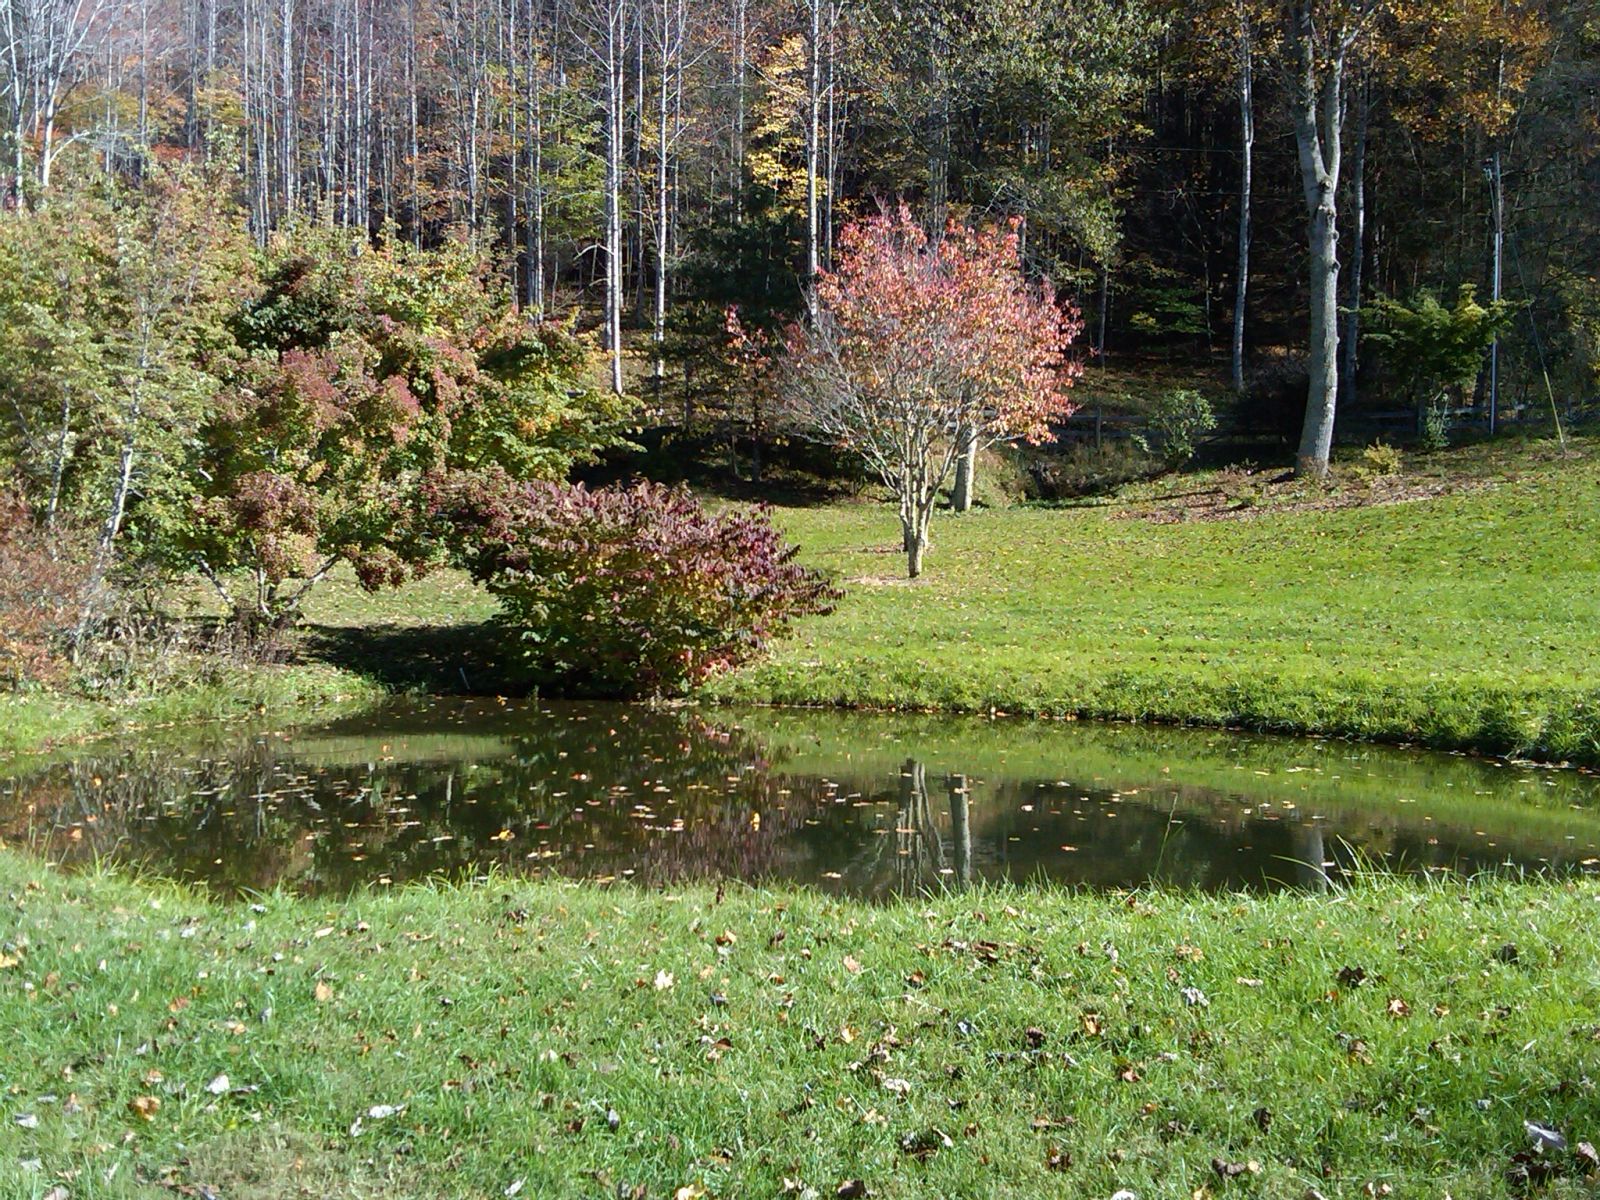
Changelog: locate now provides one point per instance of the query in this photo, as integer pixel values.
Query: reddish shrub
(43, 575)
(629, 591)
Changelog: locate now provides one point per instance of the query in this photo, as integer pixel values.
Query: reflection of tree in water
(664, 795)
(1022, 829)
(658, 796)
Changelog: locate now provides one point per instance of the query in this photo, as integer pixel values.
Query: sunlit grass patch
(454, 1042)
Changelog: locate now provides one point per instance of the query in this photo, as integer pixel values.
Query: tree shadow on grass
(455, 659)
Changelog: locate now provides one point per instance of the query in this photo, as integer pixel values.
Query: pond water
(861, 804)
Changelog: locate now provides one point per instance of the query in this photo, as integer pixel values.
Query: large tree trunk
(1322, 361)
(1318, 117)
(1247, 141)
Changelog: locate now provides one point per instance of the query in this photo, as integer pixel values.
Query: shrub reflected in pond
(865, 805)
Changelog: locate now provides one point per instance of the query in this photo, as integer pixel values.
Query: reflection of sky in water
(869, 805)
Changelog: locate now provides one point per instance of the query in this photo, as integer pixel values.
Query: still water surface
(860, 804)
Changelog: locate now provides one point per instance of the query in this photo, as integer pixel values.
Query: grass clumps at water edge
(583, 1041)
(36, 721)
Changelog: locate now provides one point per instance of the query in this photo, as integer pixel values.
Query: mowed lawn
(552, 1041)
(1465, 620)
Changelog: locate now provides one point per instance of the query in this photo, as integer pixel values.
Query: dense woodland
(641, 164)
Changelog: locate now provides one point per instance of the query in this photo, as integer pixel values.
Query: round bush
(632, 591)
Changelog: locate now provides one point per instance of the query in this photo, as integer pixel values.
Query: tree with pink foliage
(920, 350)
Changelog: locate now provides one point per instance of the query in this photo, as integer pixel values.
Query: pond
(860, 804)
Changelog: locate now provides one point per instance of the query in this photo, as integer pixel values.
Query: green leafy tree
(112, 306)
(1436, 350)
(368, 373)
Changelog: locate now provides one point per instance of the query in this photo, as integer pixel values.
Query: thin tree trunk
(1247, 140)
(966, 470)
(813, 140)
(1349, 361)
(961, 827)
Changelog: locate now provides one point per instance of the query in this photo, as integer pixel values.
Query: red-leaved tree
(919, 351)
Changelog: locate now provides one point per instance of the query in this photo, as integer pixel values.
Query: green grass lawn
(583, 1042)
(1468, 619)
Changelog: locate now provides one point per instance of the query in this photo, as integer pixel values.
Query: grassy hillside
(1461, 612)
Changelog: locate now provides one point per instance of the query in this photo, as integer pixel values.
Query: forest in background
(635, 167)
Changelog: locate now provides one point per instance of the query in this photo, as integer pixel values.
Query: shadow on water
(863, 805)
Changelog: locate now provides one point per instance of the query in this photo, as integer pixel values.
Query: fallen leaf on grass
(851, 965)
(218, 1085)
(144, 1107)
(1545, 1137)
(850, 1189)
(925, 1142)
(663, 981)
(1398, 1007)
(322, 992)
(1232, 1170)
